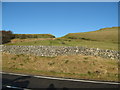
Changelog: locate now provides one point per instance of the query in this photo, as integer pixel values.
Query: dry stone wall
(59, 50)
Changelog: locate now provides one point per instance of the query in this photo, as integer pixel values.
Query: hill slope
(105, 34)
(106, 38)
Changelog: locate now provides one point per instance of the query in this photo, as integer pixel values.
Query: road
(36, 82)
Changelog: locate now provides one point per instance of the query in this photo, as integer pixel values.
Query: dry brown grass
(72, 66)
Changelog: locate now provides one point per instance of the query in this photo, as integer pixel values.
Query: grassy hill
(72, 66)
(23, 36)
(106, 38)
(105, 34)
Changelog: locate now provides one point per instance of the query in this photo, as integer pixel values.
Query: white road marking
(89, 81)
(17, 88)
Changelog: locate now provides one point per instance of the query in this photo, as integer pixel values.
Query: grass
(105, 34)
(106, 38)
(72, 66)
(66, 42)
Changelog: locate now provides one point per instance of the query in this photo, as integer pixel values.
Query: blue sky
(58, 18)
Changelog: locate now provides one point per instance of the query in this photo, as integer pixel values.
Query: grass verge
(72, 66)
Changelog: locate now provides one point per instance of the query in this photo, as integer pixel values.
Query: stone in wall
(59, 50)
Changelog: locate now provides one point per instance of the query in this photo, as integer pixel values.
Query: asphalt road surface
(37, 82)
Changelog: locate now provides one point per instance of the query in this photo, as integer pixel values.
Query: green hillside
(105, 34)
(106, 38)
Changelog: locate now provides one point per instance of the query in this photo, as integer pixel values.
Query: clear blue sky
(58, 18)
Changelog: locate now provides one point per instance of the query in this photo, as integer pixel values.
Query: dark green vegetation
(106, 38)
(5, 36)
